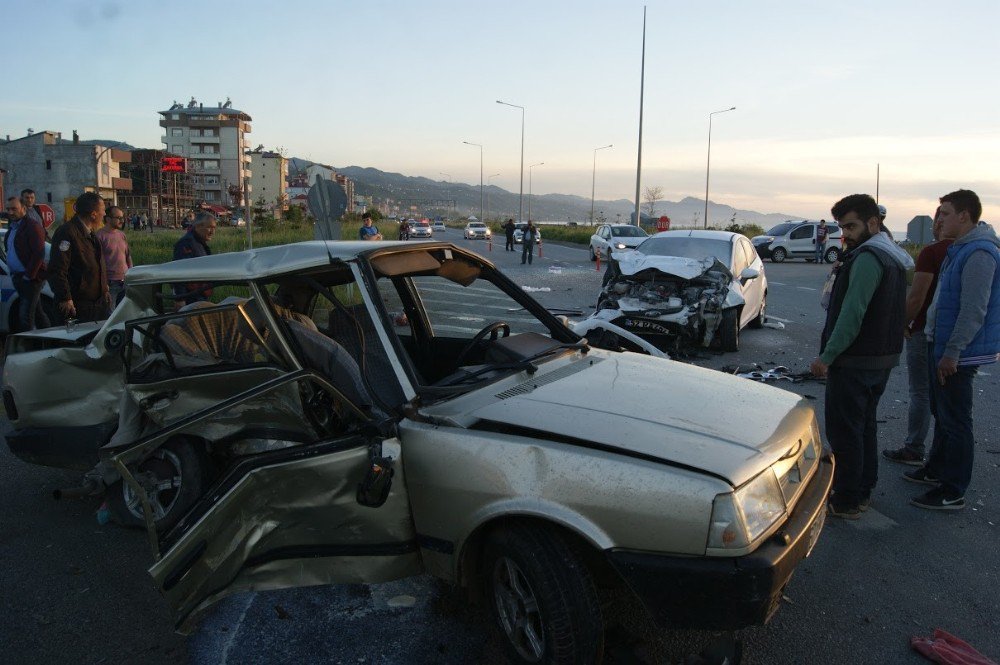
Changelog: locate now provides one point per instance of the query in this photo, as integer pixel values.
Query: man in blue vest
(963, 332)
(861, 343)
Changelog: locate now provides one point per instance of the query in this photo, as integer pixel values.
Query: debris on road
(945, 648)
(777, 325)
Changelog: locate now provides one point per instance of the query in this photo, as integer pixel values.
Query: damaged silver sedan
(680, 289)
(354, 412)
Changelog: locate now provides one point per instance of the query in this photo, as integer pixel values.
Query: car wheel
(544, 599)
(729, 329)
(758, 321)
(832, 255)
(593, 255)
(175, 475)
(778, 255)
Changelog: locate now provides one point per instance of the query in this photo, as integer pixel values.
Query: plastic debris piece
(947, 649)
(536, 289)
(402, 601)
(103, 514)
(777, 325)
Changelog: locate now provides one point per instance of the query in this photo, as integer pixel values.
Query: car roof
(256, 263)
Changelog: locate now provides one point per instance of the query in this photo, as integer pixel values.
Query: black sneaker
(904, 456)
(939, 499)
(921, 476)
(844, 512)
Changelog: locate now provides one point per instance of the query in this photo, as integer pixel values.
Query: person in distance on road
(963, 333)
(821, 234)
(861, 343)
(508, 229)
(918, 298)
(528, 239)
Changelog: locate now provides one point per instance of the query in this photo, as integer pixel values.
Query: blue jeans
(953, 446)
(820, 246)
(30, 315)
(852, 397)
(919, 417)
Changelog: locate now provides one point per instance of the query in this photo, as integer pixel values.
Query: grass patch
(158, 247)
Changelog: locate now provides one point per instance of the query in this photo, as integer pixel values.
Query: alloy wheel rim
(518, 610)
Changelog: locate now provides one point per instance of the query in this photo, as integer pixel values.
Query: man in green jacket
(861, 343)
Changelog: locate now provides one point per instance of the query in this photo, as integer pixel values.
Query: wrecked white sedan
(677, 289)
(357, 412)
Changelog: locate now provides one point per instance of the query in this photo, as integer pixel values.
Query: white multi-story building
(268, 182)
(214, 141)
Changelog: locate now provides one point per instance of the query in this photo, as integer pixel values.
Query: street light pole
(529, 187)
(708, 161)
(481, 190)
(520, 196)
(593, 181)
(488, 194)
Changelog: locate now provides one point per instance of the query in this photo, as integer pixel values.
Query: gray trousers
(919, 419)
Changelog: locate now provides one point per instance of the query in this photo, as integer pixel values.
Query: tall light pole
(447, 175)
(488, 194)
(708, 162)
(520, 196)
(480, 177)
(593, 181)
(529, 187)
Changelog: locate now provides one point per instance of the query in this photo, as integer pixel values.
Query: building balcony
(205, 139)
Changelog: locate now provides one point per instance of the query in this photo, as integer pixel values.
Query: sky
(826, 94)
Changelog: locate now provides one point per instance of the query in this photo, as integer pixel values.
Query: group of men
(86, 267)
(951, 322)
(529, 237)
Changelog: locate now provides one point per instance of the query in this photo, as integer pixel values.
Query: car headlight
(740, 517)
(488, 232)
(619, 245)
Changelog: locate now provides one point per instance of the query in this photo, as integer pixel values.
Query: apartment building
(59, 170)
(268, 182)
(214, 141)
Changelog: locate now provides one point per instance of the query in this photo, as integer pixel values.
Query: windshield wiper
(526, 364)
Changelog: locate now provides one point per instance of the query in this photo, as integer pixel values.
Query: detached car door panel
(291, 519)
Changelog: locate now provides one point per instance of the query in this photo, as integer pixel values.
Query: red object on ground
(947, 649)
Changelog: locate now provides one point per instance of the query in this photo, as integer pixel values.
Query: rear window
(782, 229)
(628, 232)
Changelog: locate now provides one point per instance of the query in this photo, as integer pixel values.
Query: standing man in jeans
(963, 333)
(528, 238)
(861, 343)
(26, 261)
(821, 234)
(922, 288)
(117, 258)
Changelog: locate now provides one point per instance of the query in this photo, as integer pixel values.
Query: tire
(832, 255)
(185, 465)
(593, 256)
(729, 329)
(758, 321)
(532, 567)
(778, 255)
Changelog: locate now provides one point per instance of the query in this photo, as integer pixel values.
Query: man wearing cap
(77, 274)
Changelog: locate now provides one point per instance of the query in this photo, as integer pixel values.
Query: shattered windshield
(692, 248)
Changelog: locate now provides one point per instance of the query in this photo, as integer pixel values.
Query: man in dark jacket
(26, 261)
(76, 270)
(508, 230)
(194, 243)
(861, 343)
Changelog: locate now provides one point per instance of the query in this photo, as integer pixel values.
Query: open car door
(324, 504)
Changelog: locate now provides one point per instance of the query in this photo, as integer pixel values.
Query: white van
(796, 239)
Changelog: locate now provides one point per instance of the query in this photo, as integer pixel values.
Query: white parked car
(439, 227)
(685, 288)
(474, 230)
(610, 237)
(421, 229)
(797, 240)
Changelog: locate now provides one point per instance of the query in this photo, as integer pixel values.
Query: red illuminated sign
(173, 165)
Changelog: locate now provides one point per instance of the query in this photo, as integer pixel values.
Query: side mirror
(748, 274)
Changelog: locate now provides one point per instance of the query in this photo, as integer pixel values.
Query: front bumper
(728, 593)
(764, 250)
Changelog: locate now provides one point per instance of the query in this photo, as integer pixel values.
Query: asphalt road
(72, 590)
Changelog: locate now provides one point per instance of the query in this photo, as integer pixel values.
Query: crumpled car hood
(633, 263)
(687, 415)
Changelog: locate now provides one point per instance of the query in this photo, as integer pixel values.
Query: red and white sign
(47, 213)
(663, 223)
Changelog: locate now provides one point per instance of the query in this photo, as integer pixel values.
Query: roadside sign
(47, 213)
(663, 223)
(69, 208)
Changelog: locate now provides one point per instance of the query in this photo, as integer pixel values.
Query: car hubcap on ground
(518, 610)
(160, 476)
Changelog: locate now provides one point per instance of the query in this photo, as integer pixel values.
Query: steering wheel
(491, 329)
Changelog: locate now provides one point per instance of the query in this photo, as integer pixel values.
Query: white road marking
(806, 288)
(777, 283)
